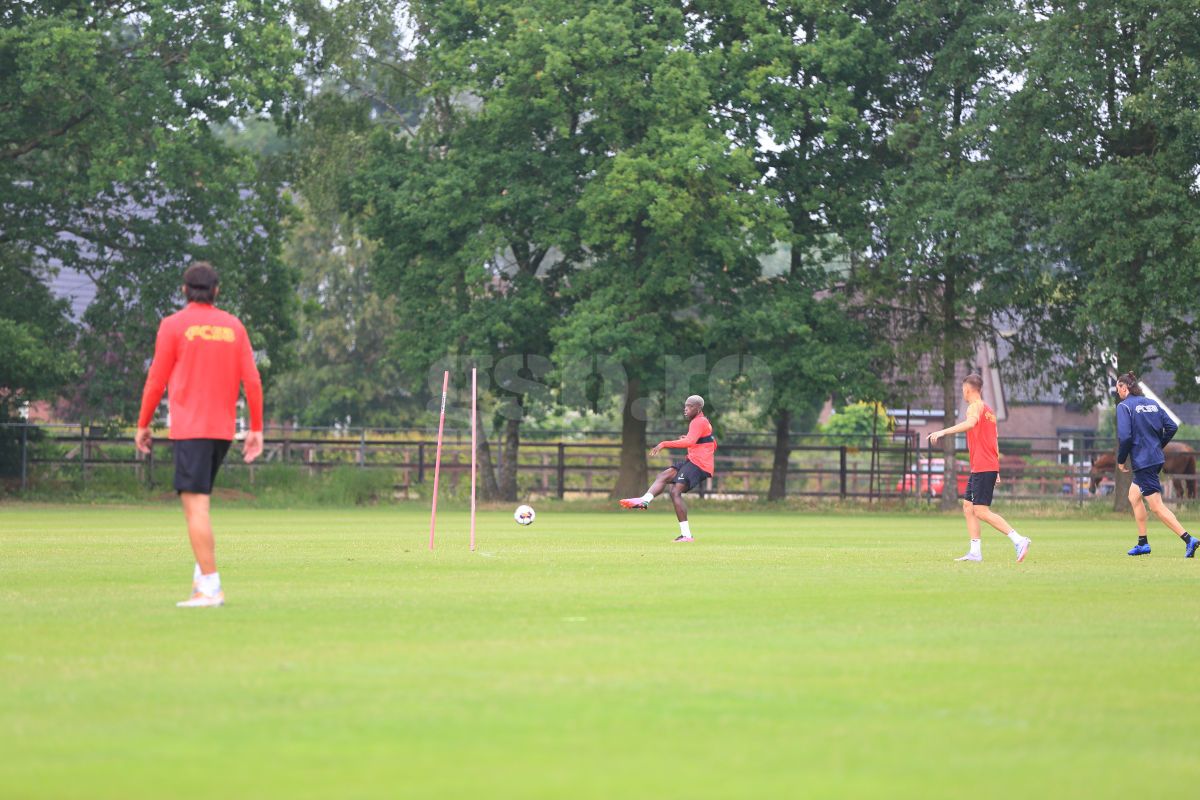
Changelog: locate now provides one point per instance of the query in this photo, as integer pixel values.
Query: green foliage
(111, 167)
(1104, 132)
(858, 422)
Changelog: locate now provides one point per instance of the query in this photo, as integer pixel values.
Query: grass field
(781, 655)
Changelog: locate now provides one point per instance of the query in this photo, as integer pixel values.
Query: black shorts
(197, 462)
(1147, 480)
(980, 487)
(689, 475)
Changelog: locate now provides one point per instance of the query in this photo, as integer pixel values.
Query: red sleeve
(165, 346)
(252, 383)
(693, 435)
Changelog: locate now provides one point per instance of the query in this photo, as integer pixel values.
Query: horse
(1180, 459)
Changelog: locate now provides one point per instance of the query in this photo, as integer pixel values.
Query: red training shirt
(699, 454)
(201, 356)
(983, 443)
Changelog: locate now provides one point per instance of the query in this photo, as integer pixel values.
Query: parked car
(929, 477)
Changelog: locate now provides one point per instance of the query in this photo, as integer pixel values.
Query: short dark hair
(975, 381)
(1131, 383)
(200, 281)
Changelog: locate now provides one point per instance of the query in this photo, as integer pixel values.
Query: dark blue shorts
(689, 475)
(980, 487)
(197, 462)
(1147, 480)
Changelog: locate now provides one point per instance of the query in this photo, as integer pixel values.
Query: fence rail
(821, 466)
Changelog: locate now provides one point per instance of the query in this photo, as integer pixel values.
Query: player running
(685, 475)
(201, 356)
(1143, 429)
(983, 445)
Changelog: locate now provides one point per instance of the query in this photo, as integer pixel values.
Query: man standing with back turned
(201, 356)
(983, 445)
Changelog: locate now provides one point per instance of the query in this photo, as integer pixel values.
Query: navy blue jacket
(1143, 428)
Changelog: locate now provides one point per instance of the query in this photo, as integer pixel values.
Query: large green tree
(110, 165)
(475, 210)
(946, 247)
(675, 214)
(1106, 132)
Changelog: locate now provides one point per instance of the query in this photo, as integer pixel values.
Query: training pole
(437, 461)
(474, 450)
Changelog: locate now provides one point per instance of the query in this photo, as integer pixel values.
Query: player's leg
(663, 480)
(1140, 517)
(199, 528)
(1169, 519)
(678, 488)
(197, 462)
(984, 489)
(975, 553)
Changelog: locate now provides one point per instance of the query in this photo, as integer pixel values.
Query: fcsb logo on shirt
(209, 333)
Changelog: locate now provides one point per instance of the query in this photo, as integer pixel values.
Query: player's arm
(973, 413)
(165, 351)
(252, 384)
(1124, 436)
(692, 436)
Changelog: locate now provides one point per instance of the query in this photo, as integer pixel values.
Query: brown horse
(1180, 460)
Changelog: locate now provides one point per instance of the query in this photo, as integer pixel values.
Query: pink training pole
(437, 462)
(473, 453)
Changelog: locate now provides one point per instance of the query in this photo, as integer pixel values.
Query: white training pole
(437, 462)
(473, 454)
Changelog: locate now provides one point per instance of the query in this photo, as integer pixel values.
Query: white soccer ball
(524, 515)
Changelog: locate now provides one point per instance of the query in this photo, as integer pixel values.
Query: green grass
(782, 655)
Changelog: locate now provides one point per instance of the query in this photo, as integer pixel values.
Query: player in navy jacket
(1143, 428)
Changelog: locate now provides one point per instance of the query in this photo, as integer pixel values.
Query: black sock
(1143, 540)
(1187, 538)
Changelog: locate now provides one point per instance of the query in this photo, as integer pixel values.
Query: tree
(674, 211)
(110, 165)
(946, 249)
(1106, 130)
(812, 348)
(474, 211)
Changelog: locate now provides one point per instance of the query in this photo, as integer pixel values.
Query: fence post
(83, 453)
(420, 462)
(24, 456)
(362, 448)
(929, 475)
(562, 471)
(842, 471)
(150, 465)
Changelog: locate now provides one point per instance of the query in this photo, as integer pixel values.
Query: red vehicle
(930, 476)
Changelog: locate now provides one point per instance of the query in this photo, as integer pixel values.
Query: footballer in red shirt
(685, 475)
(202, 357)
(983, 446)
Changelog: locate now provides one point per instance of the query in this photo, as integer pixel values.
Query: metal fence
(894, 466)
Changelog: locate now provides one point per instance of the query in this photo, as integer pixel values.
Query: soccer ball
(524, 515)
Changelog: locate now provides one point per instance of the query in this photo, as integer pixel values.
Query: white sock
(1015, 537)
(196, 574)
(210, 584)
(647, 497)
(685, 529)
(975, 547)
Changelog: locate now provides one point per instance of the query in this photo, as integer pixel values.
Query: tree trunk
(783, 452)
(489, 490)
(512, 452)
(949, 395)
(631, 480)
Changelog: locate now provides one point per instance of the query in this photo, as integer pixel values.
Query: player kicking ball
(201, 356)
(685, 475)
(1143, 429)
(983, 446)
